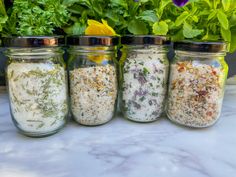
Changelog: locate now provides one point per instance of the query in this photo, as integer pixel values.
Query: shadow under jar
(37, 84)
(93, 78)
(196, 87)
(144, 74)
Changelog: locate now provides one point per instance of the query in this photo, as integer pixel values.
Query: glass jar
(37, 84)
(144, 74)
(93, 78)
(196, 87)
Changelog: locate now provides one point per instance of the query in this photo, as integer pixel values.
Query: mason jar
(196, 86)
(144, 74)
(93, 78)
(37, 84)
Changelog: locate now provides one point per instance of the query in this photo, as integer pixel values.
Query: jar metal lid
(92, 40)
(195, 46)
(33, 41)
(145, 40)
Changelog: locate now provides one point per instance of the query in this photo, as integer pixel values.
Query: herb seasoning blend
(197, 80)
(144, 74)
(93, 79)
(37, 84)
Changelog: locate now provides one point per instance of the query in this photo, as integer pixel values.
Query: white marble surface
(122, 148)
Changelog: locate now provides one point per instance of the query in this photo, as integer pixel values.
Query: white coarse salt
(93, 92)
(38, 96)
(144, 85)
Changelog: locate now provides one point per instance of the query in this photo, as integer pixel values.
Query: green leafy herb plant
(39, 17)
(206, 20)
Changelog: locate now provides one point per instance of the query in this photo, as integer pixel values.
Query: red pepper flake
(209, 113)
(202, 93)
(213, 72)
(181, 67)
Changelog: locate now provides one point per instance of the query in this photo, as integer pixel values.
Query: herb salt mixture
(144, 84)
(38, 96)
(93, 93)
(195, 93)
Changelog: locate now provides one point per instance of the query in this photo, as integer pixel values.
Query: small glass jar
(144, 74)
(37, 84)
(93, 78)
(196, 86)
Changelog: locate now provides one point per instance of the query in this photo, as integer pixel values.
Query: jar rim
(201, 46)
(33, 41)
(145, 40)
(90, 40)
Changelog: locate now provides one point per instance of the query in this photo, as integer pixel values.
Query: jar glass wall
(196, 87)
(93, 78)
(37, 85)
(144, 77)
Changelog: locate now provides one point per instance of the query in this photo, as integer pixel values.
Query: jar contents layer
(38, 96)
(144, 85)
(195, 93)
(93, 94)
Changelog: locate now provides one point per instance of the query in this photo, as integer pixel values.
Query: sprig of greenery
(39, 17)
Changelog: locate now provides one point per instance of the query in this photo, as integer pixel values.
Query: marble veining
(122, 148)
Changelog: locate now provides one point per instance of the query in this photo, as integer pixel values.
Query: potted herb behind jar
(203, 32)
(36, 74)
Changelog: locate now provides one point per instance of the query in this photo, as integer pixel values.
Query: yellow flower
(100, 29)
(97, 28)
(98, 57)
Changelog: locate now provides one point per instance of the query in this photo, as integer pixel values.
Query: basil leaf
(148, 16)
(226, 4)
(189, 32)
(212, 15)
(137, 27)
(2, 9)
(232, 20)
(223, 19)
(3, 20)
(76, 29)
(143, 1)
(180, 20)
(160, 28)
(72, 2)
(226, 34)
(121, 3)
(177, 36)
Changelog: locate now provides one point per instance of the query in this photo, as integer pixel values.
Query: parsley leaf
(39, 17)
